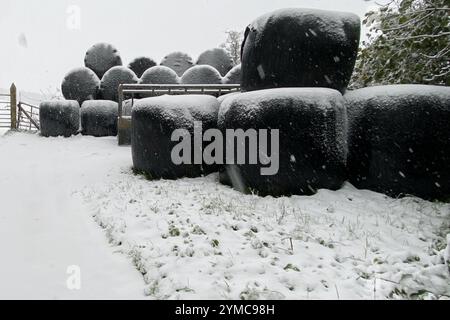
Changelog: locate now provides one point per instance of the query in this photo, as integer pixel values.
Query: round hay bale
(59, 118)
(99, 118)
(80, 84)
(312, 147)
(233, 76)
(217, 58)
(399, 140)
(113, 78)
(153, 122)
(300, 48)
(178, 62)
(139, 65)
(158, 75)
(225, 96)
(201, 75)
(101, 57)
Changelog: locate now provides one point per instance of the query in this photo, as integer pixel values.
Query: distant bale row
(64, 117)
(103, 72)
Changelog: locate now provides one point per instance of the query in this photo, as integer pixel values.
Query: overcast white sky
(40, 40)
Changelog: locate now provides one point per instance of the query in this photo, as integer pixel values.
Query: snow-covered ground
(197, 239)
(44, 230)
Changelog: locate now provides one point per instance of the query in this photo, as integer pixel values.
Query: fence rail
(130, 90)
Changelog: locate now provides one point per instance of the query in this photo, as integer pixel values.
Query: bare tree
(233, 45)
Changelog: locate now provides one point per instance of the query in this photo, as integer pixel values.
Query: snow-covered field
(197, 239)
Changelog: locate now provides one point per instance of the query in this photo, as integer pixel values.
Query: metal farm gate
(17, 114)
(7, 114)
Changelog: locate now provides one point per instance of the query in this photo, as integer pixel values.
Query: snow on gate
(16, 114)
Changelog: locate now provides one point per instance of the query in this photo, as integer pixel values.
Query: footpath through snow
(44, 229)
(195, 238)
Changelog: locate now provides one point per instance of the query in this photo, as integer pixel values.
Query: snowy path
(44, 229)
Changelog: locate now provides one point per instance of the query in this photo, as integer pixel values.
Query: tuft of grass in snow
(198, 239)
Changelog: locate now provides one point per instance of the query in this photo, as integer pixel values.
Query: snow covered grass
(197, 239)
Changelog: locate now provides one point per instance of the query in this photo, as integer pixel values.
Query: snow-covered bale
(99, 118)
(399, 141)
(113, 78)
(139, 65)
(312, 139)
(300, 48)
(178, 62)
(158, 75)
(233, 76)
(153, 122)
(101, 57)
(80, 84)
(59, 118)
(225, 96)
(201, 75)
(217, 58)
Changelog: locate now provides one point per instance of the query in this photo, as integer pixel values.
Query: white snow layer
(45, 229)
(197, 239)
(398, 91)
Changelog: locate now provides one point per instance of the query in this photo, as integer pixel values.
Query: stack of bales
(282, 52)
(94, 87)
(390, 139)
(91, 93)
(296, 65)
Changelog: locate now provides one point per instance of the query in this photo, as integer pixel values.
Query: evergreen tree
(408, 42)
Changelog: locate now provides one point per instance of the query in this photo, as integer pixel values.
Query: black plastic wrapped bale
(113, 78)
(399, 140)
(80, 84)
(158, 75)
(201, 75)
(99, 118)
(225, 96)
(217, 58)
(233, 76)
(300, 48)
(312, 140)
(178, 62)
(139, 65)
(101, 57)
(153, 122)
(59, 118)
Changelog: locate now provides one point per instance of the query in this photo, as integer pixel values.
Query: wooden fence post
(13, 106)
